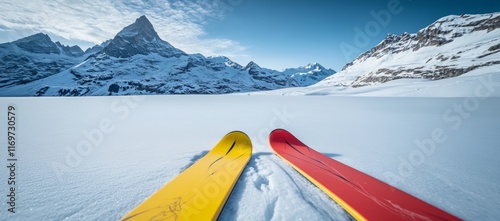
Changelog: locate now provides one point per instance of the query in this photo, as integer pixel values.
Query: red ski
(361, 195)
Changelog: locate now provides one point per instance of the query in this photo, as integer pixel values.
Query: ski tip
(238, 132)
(278, 131)
(279, 136)
(240, 136)
(275, 134)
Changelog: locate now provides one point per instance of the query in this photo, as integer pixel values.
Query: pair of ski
(200, 192)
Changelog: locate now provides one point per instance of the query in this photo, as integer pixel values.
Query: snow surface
(483, 82)
(96, 158)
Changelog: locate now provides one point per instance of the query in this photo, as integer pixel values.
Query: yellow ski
(199, 192)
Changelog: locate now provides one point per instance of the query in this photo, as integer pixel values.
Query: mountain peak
(139, 38)
(141, 27)
(252, 64)
(315, 66)
(36, 37)
(74, 51)
(39, 43)
(469, 46)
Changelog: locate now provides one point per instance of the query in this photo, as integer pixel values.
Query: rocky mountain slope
(138, 61)
(35, 57)
(451, 46)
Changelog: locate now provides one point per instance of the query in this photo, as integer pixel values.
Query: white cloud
(179, 22)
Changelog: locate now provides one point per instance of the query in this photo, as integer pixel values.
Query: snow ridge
(450, 47)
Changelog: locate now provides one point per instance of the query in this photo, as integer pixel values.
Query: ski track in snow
(283, 193)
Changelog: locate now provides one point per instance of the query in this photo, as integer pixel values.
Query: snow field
(73, 166)
(280, 193)
(478, 83)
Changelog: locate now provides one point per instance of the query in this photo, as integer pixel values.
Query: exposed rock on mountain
(140, 38)
(451, 46)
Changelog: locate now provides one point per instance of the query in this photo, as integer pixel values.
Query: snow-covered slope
(451, 46)
(137, 61)
(35, 57)
(477, 83)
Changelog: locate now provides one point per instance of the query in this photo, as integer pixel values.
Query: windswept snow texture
(96, 158)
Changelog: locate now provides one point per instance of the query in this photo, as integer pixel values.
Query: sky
(275, 34)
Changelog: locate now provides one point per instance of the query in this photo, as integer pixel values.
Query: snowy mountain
(450, 47)
(290, 77)
(140, 38)
(138, 61)
(309, 74)
(35, 57)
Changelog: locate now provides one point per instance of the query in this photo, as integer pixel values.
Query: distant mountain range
(135, 61)
(450, 47)
(138, 61)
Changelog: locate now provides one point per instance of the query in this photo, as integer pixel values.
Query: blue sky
(273, 33)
